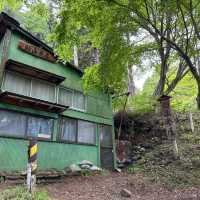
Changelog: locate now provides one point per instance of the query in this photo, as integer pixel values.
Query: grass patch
(21, 193)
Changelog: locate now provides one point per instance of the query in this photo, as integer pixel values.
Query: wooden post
(32, 164)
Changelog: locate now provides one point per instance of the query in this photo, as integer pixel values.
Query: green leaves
(105, 26)
(10, 4)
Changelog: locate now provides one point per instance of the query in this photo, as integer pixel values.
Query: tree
(183, 36)
(106, 24)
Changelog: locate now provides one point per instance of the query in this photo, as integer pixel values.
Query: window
(106, 136)
(42, 90)
(12, 124)
(39, 89)
(69, 130)
(86, 132)
(78, 131)
(78, 101)
(28, 86)
(72, 98)
(20, 125)
(65, 97)
(17, 84)
(40, 127)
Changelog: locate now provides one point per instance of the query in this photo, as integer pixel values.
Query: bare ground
(108, 187)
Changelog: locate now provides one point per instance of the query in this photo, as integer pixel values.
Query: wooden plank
(5, 49)
(36, 51)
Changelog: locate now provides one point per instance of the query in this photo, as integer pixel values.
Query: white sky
(140, 78)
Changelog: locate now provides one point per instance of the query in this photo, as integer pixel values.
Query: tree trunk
(160, 86)
(198, 97)
(131, 84)
(164, 56)
(161, 83)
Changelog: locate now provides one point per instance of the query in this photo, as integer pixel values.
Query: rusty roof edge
(13, 24)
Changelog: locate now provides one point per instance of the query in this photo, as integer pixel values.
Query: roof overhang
(29, 102)
(33, 72)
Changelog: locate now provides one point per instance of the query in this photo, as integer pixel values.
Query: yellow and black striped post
(32, 164)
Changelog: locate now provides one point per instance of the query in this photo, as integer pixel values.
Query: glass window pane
(78, 101)
(12, 124)
(65, 97)
(69, 130)
(43, 90)
(17, 84)
(40, 127)
(106, 136)
(86, 132)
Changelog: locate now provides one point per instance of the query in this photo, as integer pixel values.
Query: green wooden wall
(53, 154)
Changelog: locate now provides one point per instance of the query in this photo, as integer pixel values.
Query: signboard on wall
(36, 51)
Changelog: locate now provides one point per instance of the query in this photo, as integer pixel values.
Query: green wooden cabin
(41, 97)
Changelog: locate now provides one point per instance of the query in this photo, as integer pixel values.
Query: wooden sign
(36, 51)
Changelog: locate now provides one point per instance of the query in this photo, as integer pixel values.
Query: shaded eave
(30, 102)
(8, 22)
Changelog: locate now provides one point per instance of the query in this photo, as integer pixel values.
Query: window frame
(56, 90)
(85, 104)
(95, 134)
(31, 84)
(73, 96)
(25, 135)
(40, 138)
(64, 88)
(18, 74)
(61, 127)
(48, 83)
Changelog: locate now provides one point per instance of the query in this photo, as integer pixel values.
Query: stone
(95, 168)
(118, 170)
(85, 162)
(125, 193)
(74, 168)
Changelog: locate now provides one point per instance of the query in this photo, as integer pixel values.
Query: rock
(95, 168)
(125, 193)
(85, 166)
(85, 162)
(74, 168)
(118, 170)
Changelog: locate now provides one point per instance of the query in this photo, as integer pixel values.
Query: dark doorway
(106, 146)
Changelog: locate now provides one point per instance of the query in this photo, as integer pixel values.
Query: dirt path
(108, 187)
